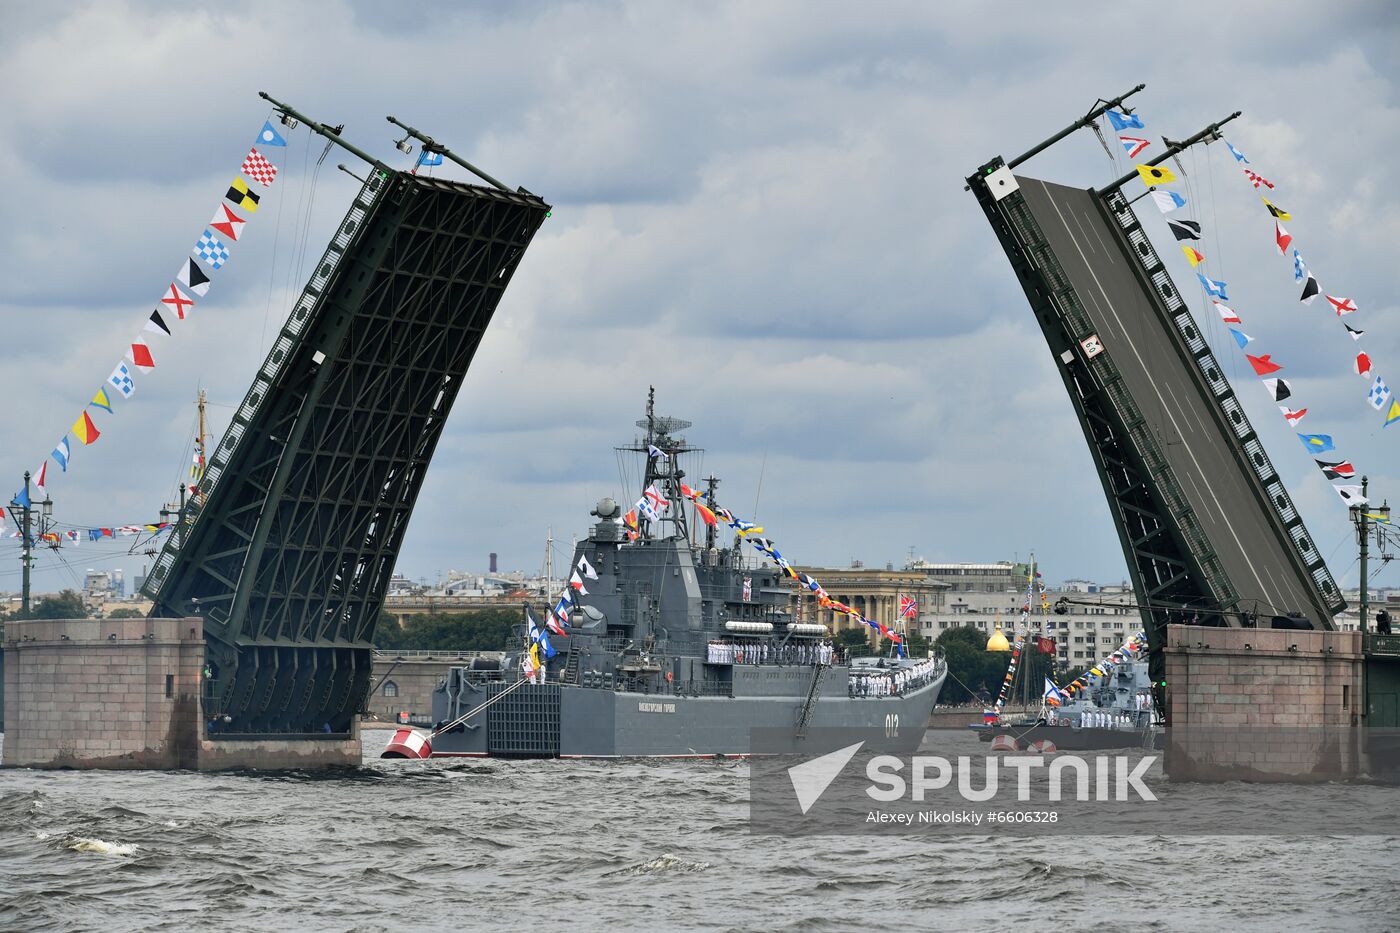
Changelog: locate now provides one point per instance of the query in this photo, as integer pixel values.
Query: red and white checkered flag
(258, 168)
(1258, 179)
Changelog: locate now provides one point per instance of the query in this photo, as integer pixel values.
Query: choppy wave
(102, 847)
(622, 845)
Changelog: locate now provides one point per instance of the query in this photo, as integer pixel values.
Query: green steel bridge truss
(308, 494)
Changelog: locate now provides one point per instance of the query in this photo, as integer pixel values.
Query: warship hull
(565, 721)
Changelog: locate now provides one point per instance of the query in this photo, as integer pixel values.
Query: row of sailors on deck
(1096, 720)
(725, 652)
(883, 683)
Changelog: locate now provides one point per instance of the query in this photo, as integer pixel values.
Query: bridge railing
(349, 229)
(1209, 367)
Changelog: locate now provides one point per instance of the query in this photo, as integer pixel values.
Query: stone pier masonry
(125, 694)
(1263, 704)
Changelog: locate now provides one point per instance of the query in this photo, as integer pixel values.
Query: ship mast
(664, 469)
(200, 438)
(711, 484)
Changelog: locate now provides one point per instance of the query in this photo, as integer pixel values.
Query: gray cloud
(759, 208)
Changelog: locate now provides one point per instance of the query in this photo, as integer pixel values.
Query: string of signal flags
(653, 505)
(1189, 233)
(189, 285)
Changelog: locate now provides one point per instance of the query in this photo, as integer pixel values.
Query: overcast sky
(758, 208)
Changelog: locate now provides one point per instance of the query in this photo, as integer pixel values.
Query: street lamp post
(26, 510)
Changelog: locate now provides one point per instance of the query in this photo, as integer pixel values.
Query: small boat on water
(1115, 711)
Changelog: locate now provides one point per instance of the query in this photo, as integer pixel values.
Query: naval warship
(670, 644)
(1115, 712)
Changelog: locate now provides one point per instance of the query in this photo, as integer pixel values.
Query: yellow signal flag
(85, 430)
(1277, 211)
(1155, 174)
(1193, 256)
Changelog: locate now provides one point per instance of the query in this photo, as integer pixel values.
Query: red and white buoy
(1003, 743)
(408, 743)
(1043, 747)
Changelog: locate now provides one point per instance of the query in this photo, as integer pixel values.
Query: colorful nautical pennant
(1168, 201)
(1239, 156)
(1341, 305)
(1278, 212)
(1362, 364)
(156, 324)
(1279, 389)
(1124, 121)
(1291, 416)
(177, 300)
(1185, 229)
(1227, 314)
(227, 222)
(428, 158)
(1213, 288)
(1193, 255)
(240, 194)
(1300, 268)
(1317, 443)
(1379, 394)
(1310, 290)
(1155, 174)
(1352, 331)
(1132, 145)
(1256, 179)
(193, 277)
(41, 480)
(211, 251)
(102, 400)
(270, 137)
(1351, 495)
(1393, 415)
(62, 452)
(1342, 469)
(121, 380)
(1262, 364)
(84, 430)
(1281, 238)
(587, 568)
(140, 355)
(576, 582)
(1241, 337)
(259, 169)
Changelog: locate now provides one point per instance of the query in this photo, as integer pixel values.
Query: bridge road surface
(1220, 487)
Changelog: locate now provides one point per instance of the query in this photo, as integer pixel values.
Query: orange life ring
(669, 675)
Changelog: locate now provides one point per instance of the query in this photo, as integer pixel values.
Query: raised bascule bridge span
(1208, 530)
(309, 492)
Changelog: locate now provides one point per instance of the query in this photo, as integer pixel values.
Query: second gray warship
(670, 646)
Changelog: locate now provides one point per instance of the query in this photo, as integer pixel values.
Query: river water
(621, 845)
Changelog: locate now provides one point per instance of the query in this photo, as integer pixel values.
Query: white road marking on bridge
(1153, 383)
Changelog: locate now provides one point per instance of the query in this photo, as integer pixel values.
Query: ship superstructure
(670, 644)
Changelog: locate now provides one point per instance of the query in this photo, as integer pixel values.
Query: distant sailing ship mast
(200, 451)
